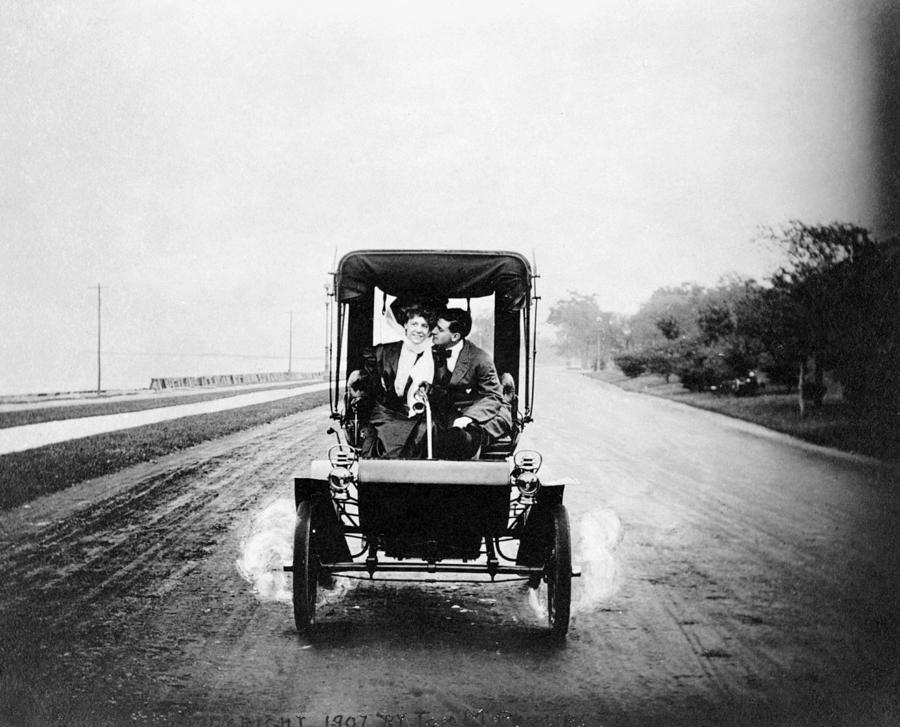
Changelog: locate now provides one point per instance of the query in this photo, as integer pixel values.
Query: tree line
(833, 306)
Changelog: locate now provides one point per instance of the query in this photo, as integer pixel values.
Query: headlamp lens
(527, 482)
(340, 478)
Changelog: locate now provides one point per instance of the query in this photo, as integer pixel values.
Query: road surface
(730, 576)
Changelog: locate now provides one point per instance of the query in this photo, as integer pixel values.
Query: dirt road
(730, 576)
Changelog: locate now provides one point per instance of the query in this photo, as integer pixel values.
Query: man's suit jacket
(474, 391)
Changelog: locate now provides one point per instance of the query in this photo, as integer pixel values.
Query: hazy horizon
(206, 162)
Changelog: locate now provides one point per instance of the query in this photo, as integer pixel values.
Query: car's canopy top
(437, 273)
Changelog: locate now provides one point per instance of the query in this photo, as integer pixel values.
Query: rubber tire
(305, 575)
(559, 572)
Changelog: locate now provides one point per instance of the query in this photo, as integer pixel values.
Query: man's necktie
(442, 371)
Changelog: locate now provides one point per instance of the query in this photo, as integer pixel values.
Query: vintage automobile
(489, 518)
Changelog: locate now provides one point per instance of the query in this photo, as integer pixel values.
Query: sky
(206, 162)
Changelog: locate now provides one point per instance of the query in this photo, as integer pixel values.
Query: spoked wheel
(558, 571)
(305, 572)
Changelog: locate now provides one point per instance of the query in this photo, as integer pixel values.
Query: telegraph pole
(291, 343)
(98, 339)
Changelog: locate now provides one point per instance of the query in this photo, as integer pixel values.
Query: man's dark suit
(471, 390)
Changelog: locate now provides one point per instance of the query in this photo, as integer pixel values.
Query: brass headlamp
(526, 464)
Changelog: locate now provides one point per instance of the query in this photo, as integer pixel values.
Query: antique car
(490, 517)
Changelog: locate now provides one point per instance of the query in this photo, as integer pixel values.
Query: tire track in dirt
(769, 524)
(93, 580)
(740, 603)
(152, 527)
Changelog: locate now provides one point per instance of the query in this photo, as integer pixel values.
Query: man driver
(467, 397)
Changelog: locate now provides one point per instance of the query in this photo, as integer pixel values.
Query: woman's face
(416, 329)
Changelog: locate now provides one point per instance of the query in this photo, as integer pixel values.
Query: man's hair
(460, 320)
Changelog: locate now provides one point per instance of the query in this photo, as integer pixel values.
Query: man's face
(441, 335)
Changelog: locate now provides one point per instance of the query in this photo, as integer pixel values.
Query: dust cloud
(266, 547)
(595, 537)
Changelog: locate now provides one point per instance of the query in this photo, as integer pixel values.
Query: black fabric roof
(435, 273)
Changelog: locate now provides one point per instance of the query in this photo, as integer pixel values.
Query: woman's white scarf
(413, 370)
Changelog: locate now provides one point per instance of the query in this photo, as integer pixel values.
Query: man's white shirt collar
(454, 354)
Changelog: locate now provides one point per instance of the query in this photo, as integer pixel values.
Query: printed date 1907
(468, 718)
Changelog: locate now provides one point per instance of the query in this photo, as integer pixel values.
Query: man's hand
(462, 422)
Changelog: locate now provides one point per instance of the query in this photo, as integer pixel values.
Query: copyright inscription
(466, 718)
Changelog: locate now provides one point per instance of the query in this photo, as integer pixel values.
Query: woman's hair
(415, 309)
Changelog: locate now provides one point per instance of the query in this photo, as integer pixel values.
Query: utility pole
(98, 339)
(291, 343)
(98, 336)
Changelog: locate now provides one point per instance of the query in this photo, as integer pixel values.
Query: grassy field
(29, 474)
(833, 424)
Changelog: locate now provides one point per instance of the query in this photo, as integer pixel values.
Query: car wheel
(305, 572)
(559, 572)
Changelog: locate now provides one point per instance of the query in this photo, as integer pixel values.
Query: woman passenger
(392, 374)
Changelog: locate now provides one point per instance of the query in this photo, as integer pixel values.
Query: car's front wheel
(305, 572)
(558, 572)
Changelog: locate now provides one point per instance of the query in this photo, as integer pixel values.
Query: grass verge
(834, 424)
(29, 474)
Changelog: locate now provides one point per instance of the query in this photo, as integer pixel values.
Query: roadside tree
(812, 300)
(584, 332)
